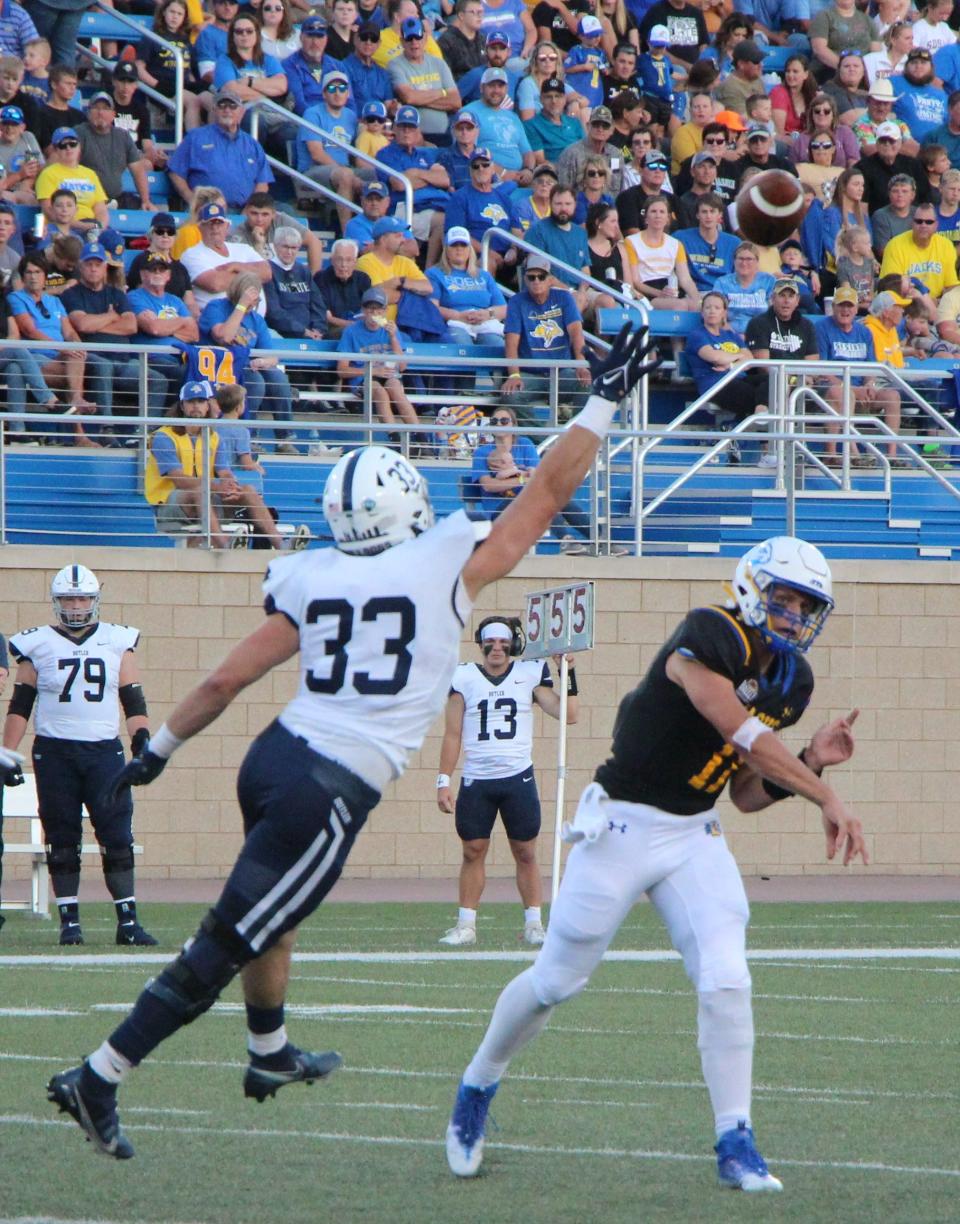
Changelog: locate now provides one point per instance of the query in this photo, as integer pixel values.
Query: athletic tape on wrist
(747, 734)
(163, 743)
(596, 415)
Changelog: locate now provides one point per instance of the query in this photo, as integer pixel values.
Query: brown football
(770, 207)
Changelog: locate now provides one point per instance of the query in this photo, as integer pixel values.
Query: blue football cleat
(302, 1067)
(740, 1166)
(97, 1118)
(465, 1132)
(133, 934)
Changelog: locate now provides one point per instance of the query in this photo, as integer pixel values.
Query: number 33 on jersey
(77, 678)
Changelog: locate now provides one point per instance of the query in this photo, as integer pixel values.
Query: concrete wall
(892, 649)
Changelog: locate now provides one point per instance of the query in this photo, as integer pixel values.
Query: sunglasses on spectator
(596, 174)
(69, 144)
(535, 276)
(887, 139)
(823, 110)
(545, 55)
(924, 221)
(600, 123)
(337, 88)
(244, 30)
(848, 52)
(715, 140)
(504, 420)
(479, 165)
(413, 38)
(168, 231)
(371, 38)
(271, 8)
(374, 119)
(822, 144)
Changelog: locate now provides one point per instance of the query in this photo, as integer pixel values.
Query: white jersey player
(77, 673)
(490, 716)
(377, 624)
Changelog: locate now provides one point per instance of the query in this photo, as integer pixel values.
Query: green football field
(604, 1118)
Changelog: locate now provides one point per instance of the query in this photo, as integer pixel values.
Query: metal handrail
(143, 31)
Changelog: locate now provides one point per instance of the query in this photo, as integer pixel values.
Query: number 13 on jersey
(559, 621)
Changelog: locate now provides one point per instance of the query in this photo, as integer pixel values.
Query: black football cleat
(96, 1118)
(71, 935)
(133, 934)
(261, 1081)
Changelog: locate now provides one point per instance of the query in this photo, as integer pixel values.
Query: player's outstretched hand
(615, 374)
(833, 743)
(139, 771)
(844, 832)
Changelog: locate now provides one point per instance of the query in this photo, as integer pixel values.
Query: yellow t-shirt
(188, 235)
(84, 184)
(390, 47)
(380, 272)
(686, 140)
(935, 265)
(370, 142)
(886, 342)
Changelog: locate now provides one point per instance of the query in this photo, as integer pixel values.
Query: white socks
(532, 914)
(517, 1018)
(466, 917)
(725, 1024)
(267, 1043)
(109, 1065)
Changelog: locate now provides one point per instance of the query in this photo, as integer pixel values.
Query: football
(770, 207)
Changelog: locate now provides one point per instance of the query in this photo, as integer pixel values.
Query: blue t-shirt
(358, 338)
(837, 345)
(469, 84)
(211, 44)
(774, 14)
(225, 70)
(583, 206)
(478, 210)
(164, 306)
(744, 303)
(946, 65)
(570, 245)
(921, 107)
(235, 163)
(502, 132)
(727, 341)
(542, 329)
(708, 261)
(656, 78)
(252, 333)
(506, 20)
(343, 126)
(588, 84)
(48, 315)
(402, 160)
(360, 230)
(461, 291)
(234, 442)
(525, 455)
(367, 83)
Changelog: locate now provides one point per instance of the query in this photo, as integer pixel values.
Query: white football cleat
(534, 934)
(461, 934)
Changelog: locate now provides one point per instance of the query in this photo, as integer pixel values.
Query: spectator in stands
(542, 322)
(552, 130)
(703, 171)
(372, 137)
(11, 78)
(63, 218)
(609, 261)
(933, 30)
(422, 167)
(688, 138)
(161, 316)
(9, 256)
(20, 154)
(502, 131)
(279, 36)
(597, 140)
(375, 201)
(620, 26)
(791, 100)
(391, 39)
(733, 29)
(173, 480)
(848, 87)
(295, 306)
(163, 231)
(592, 188)
(373, 332)
(688, 30)
(101, 314)
(822, 120)
(62, 257)
(948, 316)
(948, 210)
(343, 17)
(16, 28)
(213, 263)
(759, 155)
(855, 263)
(888, 161)
(710, 252)
(219, 151)
(587, 61)
(510, 17)
(820, 173)
(948, 134)
(481, 205)
(212, 40)
(39, 315)
(424, 81)
(368, 81)
(496, 54)
(461, 43)
(897, 216)
(843, 338)
(36, 66)
(921, 105)
(156, 63)
(252, 74)
(880, 102)
(59, 22)
(326, 162)
(188, 234)
(558, 236)
(262, 219)
(306, 68)
(388, 269)
(342, 286)
(883, 323)
(923, 254)
(782, 333)
(108, 151)
(64, 170)
(745, 81)
(933, 158)
(628, 117)
(57, 112)
(632, 204)
(897, 40)
(22, 373)
(841, 27)
(748, 290)
(470, 300)
(536, 206)
(132, 114)
(455, 159)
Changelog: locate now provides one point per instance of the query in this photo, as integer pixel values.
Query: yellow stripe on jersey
(738, 627)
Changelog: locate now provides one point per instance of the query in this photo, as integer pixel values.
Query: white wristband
(163, 743)
(596, 415)
(442, 781)
(747, 734)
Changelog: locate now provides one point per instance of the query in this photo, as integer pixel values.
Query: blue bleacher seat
(95, 24)
(158, 181)
(775, 58)
(662, 322)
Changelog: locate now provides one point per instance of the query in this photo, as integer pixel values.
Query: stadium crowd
(611, 135)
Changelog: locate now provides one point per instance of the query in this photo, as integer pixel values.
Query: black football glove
(14, 776)
(616, 373)
(139, 741)
(139, 771)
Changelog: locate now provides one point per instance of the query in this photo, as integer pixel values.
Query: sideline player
(75, 670)
(706, 713)
(492, 702)
(377, 623)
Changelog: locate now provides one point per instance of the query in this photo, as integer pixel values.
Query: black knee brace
(181, 989)
(117, 858)
(63, 860)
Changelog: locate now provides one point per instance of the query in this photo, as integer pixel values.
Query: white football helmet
(374, 499)
(71, 582)
(784, 561)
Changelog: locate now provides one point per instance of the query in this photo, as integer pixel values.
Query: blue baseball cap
(94, 250)
(314, 25)
(497, 38)
(62, 134)
(373, 110)
(466, 116)
(196, 390)
(407, 116)
(480, 154)
(411, 27)
(11, 114)
(388, 225)
(374, 297)
(113, 243)
(492, 75)
(212, 212)
(376, 188)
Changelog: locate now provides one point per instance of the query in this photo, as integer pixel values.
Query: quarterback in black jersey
(705, 714)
